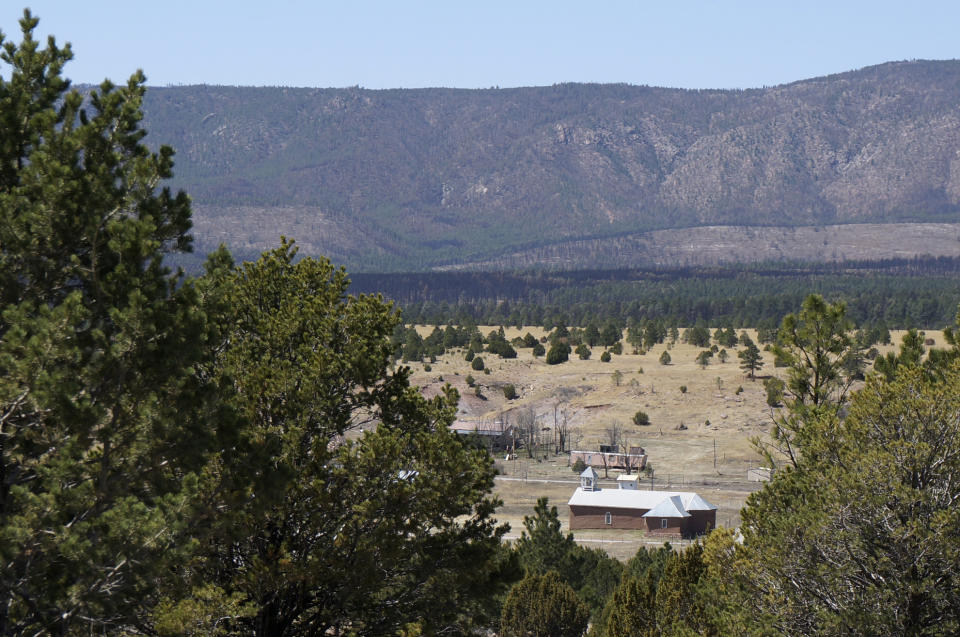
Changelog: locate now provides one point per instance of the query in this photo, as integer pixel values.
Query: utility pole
(714, 453)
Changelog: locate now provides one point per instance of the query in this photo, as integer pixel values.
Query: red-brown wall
(583, 517)
(701, 521)
(675, 526)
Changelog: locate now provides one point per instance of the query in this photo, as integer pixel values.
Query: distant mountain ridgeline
(418, 179)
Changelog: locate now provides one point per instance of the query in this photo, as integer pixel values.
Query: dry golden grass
(711, 456)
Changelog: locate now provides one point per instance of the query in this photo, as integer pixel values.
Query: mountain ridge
(425, 178)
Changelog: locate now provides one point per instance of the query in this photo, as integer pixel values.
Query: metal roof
(640, 499)
(670, 507)
(696, 503)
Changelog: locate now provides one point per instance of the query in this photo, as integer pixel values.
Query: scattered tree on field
(698, 336)
(610, 334)
(559, 353)
(751, 360)
(703, 358)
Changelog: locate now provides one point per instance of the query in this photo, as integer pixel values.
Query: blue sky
(410, 44)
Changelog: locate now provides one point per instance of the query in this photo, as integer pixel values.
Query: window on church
(608, 519)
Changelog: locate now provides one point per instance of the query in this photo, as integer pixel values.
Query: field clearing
(710, 456)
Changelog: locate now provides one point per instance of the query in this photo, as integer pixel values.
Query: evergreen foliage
(559, 353)
(173, 452)
(497, 344)
(894, 293)
(698, 336)
(774, 388)
(543, 606)
(751, 361)
(543, 548)
(390, 513)
(873, 549)
(235, 454)
(703, 358)
(104, 426)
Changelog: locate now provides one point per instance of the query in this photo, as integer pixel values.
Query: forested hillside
(413, 179)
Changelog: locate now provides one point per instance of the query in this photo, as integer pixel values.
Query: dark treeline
(899, 293)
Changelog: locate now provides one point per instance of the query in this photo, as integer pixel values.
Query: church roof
(677, 503)
(671, 507)
(696, 503)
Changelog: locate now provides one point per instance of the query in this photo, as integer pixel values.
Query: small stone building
(656, 512)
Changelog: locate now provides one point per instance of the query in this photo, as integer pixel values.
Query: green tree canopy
(558, 353)
(751, 360)
(703, 358)
(104, 427)
(543, 606)
(610, 334)
(364, 532)
(814, 345)
(910, 354)
(869, 542)
(542, 546)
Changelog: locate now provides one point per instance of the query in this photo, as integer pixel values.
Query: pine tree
(750, 359)
(631, 611)
(542, 546)
(873, 548)
(341, 529)
(105, 425)
(543, 606)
